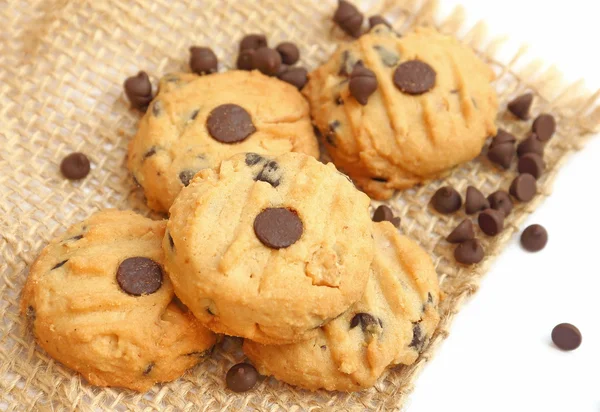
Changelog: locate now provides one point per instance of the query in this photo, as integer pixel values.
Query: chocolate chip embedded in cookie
(363, 83)
(414, 77)
(229, 123)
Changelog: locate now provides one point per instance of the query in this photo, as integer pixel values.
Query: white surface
(499, 355)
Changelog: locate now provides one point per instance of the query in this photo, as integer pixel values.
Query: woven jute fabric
(62, 65)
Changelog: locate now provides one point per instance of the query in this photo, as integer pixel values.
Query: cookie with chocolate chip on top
(195, 122)
(395, 111)
(269, 248)
(98, 300)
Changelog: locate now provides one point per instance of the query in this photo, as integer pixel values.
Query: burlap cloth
(62, 64)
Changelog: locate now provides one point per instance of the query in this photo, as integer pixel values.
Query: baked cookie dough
(269, 248)
(390, 325)
(98, 301)
(394, 111)
(195, 122)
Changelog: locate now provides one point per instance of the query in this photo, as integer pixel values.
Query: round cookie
(390, 325)
(269, 248)
(98, 301)
(432, 107)
(195, 122)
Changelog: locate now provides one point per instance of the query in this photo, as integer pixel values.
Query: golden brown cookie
(390, 325)
(99, 302)
(269, 248)
(197, 121)
(394, 111)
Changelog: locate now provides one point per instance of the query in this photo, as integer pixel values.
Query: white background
(499, 355)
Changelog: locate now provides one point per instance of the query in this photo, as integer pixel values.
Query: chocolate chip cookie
(269, 248)
(390, 325)
(98, 301)
(394, 111)
(196, 121)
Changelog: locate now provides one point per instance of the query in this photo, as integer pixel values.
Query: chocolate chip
(348, 18)
(157, 108)
(148, 369)
(502, 137)
(384, 213)
(388, 57)
(278, 228)
(502, 154)
(418, 338)
(296, 76)
(253, 158)
(75, 238)
(266, 60)
(203, 60)
(138, 90)
(380, 179)
(171, 242)
(534, 238)
(469, 252)
(544, 127)
(339, 101)
(446, 200)
(150, 153)
(253, 42)
(289, 52)
(475, 201)
(270, 173)
(323, 347)
(531, 163)
(363, 83)
(530, 145)
(75, 166)
(186, 176)
(241, 377)
(566, 336)
(500, 200)
(523, 187)
(464, 231)
(229, 123)
(491, 222)
(244, 60)
(348, 63)
(520, 106)
(414, 77)
(139, 276)
(282, 69)
(377, 19)
(59, 264)
(365, 320)
(330, 137)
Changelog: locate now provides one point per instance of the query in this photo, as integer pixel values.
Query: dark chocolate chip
(500, 200)
(388, 57)
(296, 76)
(241, 377)
(475, 201)
(75, 238)
(59, 264)
(380, 179)
(289, 52)
(502, 154)
(418, 338)
(414, 77)
(194, 114)
(171, 242)
(531, 163)
(203, 60)
(534, 238)
(544, 127)
(323, 347)
(150, 153)
(364, 319)
(148, 369)
(384, 213)
(244, 60)
(75, 166)
(464, 231)
(566, 336)
(266, 60)
(138, 90)
(530, 145)
(253, 42)
(377, 19)
(330, 137)
(502, 137)
(278, 228)
(469, 252)
(520, 106)
(270, 173)
(229, 123)
(253, 158)
(157, 109)
(348, 63)
(446, 200)
(339, 101)
(523, 187)
(363, 83)
(139, 276)
(186, 176)
(491, 222)
(348, 18)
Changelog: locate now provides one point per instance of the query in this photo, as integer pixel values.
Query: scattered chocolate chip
(244, 60)
(388, 57)
(500, 200)
(289, 52)
(377, 19)
(523, 187)
(253, 158)
(269, 173)
(520, 106)
(253, 42)
(502, 154)
(278, 228)
(348, 63)
(530, 145)
(266, 60)
(363, 83)
(544, 127)
(150, 153)
(203, 60)
(384, 213)
(446, 200)
(502, 137)
(138, 90)
(418, 337)
(241, 377)
(296, 76)
(348, 18)
(534, 238)
(566, 336)
(59, 264)
(148, 369)
(186, 176)
(414, 77)
(75, 166)
(139, 276)
(157, 108)
(229, 123)
(469, 252)
(464, 231)
(491, 221)
(531, 163)
(475, 201)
